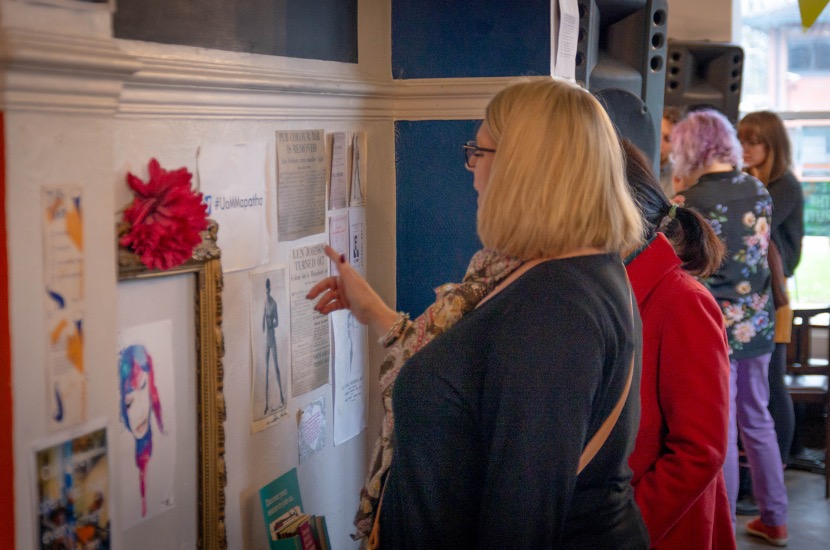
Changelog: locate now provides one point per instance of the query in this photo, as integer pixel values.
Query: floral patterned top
(739, 209)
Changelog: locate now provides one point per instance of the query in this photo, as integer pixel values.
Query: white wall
(714, 20)
(82, 108)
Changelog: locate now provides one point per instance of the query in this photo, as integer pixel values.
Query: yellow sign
(810, 10)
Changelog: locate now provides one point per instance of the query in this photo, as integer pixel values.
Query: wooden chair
(808, 373)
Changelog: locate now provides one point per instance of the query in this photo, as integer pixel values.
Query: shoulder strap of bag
(374, 537)
(596, 442)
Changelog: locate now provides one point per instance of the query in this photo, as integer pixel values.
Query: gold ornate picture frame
(206, 266)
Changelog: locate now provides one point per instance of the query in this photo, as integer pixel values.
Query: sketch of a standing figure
(270, 321)
(357, 191)
(350, 325)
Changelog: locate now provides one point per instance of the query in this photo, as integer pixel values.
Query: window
(806, 55)
(787, 70)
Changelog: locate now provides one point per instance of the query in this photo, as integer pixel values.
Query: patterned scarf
(486, 270)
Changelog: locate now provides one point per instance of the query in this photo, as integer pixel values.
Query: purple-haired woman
(707, 171)
(139, 401)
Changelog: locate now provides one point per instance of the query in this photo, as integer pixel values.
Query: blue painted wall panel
(436, 209)
(468, 38)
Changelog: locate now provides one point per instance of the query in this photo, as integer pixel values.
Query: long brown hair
(767, 128)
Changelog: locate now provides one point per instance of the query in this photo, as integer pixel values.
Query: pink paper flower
(165, 217)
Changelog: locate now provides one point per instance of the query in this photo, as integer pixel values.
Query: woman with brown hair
(767, 156)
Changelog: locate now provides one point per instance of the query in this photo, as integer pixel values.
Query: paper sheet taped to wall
(301, 184)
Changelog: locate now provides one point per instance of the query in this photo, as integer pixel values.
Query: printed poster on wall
(63, 276)
(339, 184)
(348, 358)
(338, 235)
(232, 181)
(358, 183)
(357, 239)
(301, 184)
(309, 330)
(71, 480)
(269, 348)
(568, 36)
(147, 438)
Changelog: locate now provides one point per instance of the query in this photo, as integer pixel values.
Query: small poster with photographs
(72, 491)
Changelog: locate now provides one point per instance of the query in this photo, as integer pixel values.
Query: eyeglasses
(472, 152)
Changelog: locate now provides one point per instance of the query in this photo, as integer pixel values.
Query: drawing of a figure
(139, 401)
(270, 321)
(350, 325)
(357, 191)
(355, 251)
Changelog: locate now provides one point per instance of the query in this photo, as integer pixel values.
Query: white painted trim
(74, 74)
(448, 98)
(64, 73)
(169, 87)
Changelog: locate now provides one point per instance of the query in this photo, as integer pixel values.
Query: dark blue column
(468, 38)
(436, 213)
(436, 202)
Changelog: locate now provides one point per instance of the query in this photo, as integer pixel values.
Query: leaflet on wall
(301, 184)
(269, 348)
(147, 438)
(312, 428)
(358, 184)
(357, 239)
(568, 32)
(348, 358)
(232, 180)
(309, 330)
(71, 478)
(338, 235)
(63, 276)
(339, 184)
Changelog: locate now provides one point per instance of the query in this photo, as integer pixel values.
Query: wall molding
(47, 72)
(448, 98)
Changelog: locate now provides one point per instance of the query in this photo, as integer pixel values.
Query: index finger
(334, 255)
(329, 283)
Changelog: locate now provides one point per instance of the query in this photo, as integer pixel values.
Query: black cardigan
(492, 416)
(787, 219)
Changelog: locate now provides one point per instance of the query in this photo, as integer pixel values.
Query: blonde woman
(492, 417)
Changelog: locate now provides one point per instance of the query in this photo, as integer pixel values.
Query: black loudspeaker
(620, 58)
(704, 74)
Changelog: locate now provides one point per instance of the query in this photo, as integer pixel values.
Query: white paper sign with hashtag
(232, 181)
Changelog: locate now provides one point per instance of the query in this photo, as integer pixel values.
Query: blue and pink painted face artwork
(139, 401)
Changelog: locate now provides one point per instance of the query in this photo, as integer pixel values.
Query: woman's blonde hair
(557, 181)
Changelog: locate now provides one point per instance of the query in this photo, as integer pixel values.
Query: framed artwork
(144, 350)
